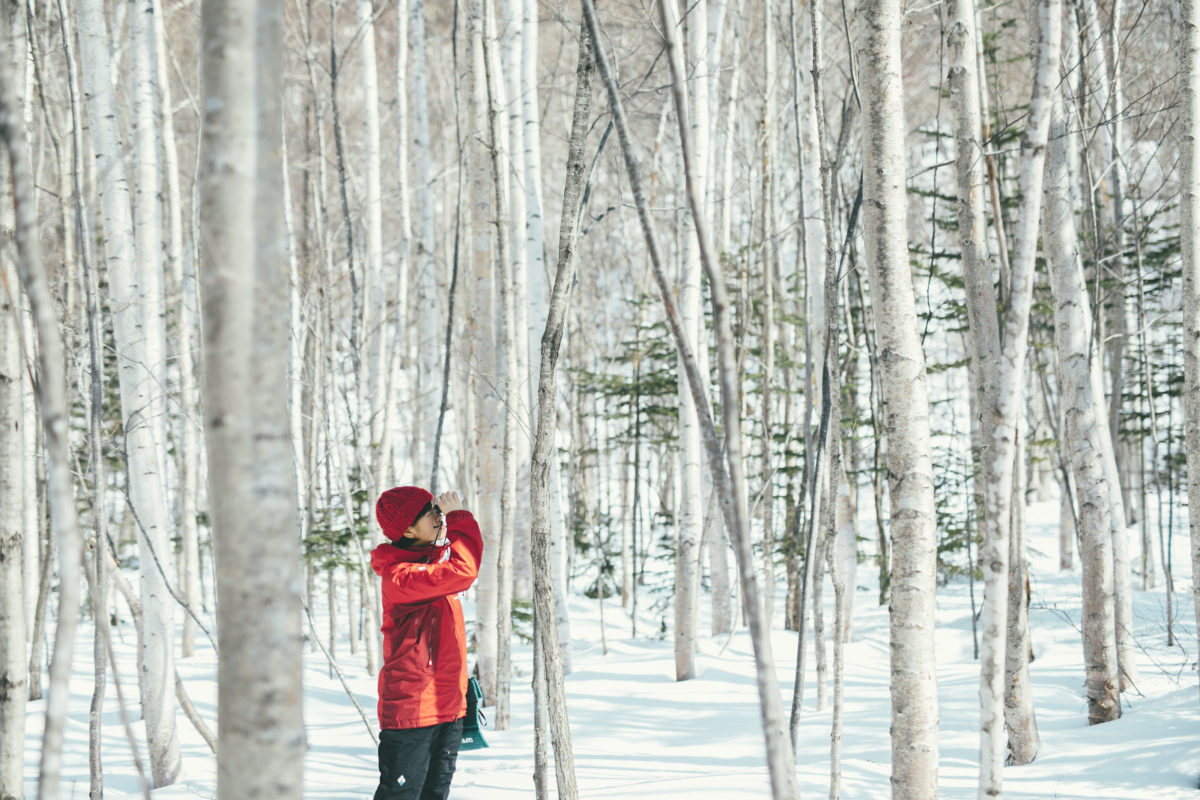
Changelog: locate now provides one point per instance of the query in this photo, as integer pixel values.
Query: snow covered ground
(637, 733)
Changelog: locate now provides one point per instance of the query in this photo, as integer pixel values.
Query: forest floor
(638, 733)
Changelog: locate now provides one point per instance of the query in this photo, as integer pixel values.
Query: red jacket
(424, 677)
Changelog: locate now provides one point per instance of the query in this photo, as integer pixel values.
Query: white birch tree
(244, 274)
(906, 408)
(154, 550)
(184, 291)
(483, 322)
(1189, 180)
(52, 400)
(1003, 408)
(424, 235)
(984, 347)
(1084, 417)
(135, 294)
(13, 666)
(508, 360)
(690, 455)
(549, 668)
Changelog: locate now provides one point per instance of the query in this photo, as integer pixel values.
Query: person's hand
(449, 501)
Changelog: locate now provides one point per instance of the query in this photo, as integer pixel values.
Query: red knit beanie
(397, 509)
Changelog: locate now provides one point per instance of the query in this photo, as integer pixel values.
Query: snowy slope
(638, 733)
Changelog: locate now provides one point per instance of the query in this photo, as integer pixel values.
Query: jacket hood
(388, 554)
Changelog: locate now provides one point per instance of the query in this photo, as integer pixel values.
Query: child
(423, 683)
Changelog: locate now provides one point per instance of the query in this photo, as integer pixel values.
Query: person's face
(427, 529)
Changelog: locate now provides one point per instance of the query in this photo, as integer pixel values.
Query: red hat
(397, 509)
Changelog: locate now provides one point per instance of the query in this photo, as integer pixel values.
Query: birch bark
(1073, 331)
(716, 536)
(549, 688)
(484, 321)
(508, 362)
(99, 579)
(52, 402)
(767, 139)
(906, 412)
(512, 48)
(984, 344)
(1189, 58)
(691, 501)
(999, 495)
(13, 667)
(135, 293)
(424, 237)
(245, 305)
(184, 292)
(154, 550)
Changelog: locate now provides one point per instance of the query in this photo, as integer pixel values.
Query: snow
(637, 732)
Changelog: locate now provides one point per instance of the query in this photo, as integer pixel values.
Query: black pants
(418, 763)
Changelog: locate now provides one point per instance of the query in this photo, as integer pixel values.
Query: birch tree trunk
(1189, 181)
(1024, 741)
(512, 34)
(715, 536)
(841, 627)
(691, 501)
(1073, 331)
(484, 321)
(550, 691)
(424, 237)
(99, 578)
(767, 137)
(135, 294)
(184, 291)
(13, 666)
(984, 344)
(251, 479)
(819, 449)
(52, 403)
(1113, 339)
(999, 495)
(906, 412)
(154, 550)
(508, 360)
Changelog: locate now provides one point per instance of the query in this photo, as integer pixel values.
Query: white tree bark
(428, 345)
(13, 666)
(1024, 741)
(511, 32)
(549, 689)
(135, 293)
(154, 549)
(691, 499)
(715, 536)
(52, 401)
(98, 569)
(538, 297)
(984, 342)
(1189, 180)
(508, 360)
(486, 363)
(1085, 424)
(767, 300)
(184, 292)
(1007, 404)
(382, 337)
(906, 411)
(251, 480)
